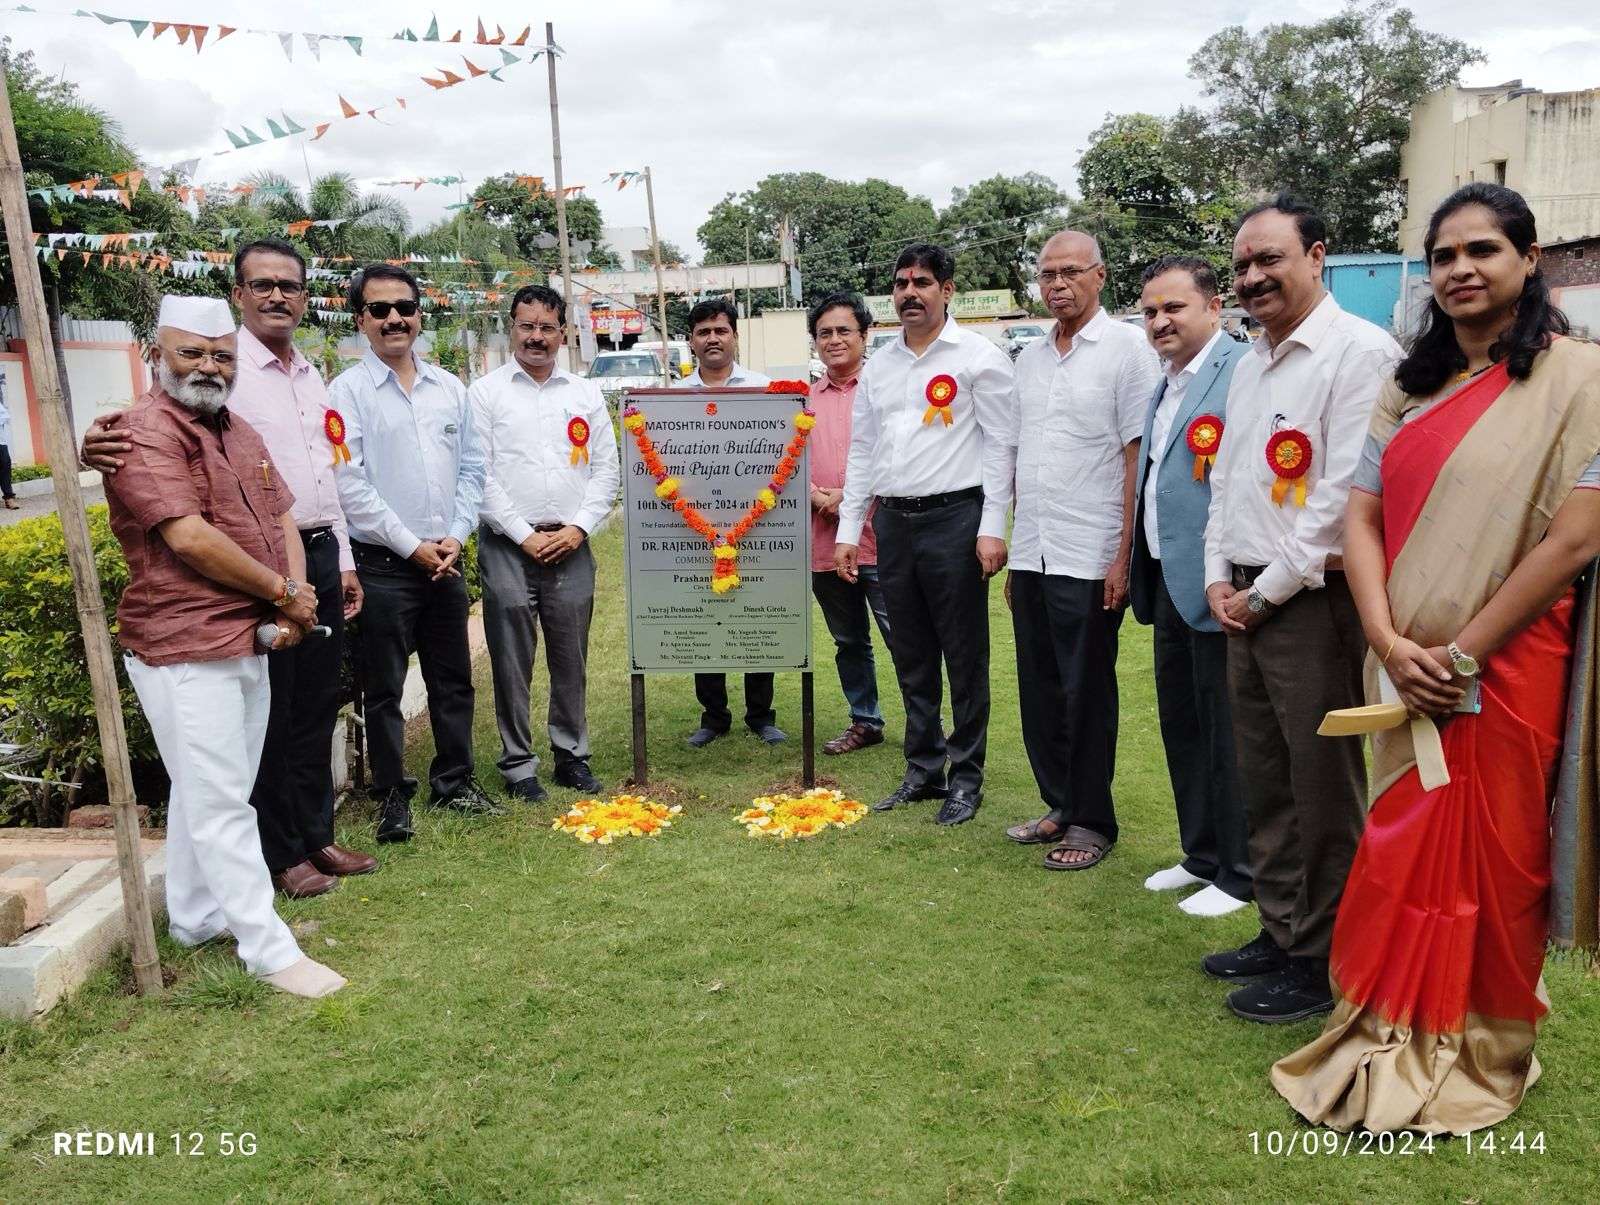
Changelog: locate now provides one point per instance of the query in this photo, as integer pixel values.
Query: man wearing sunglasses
(281, 395)
(411, 487)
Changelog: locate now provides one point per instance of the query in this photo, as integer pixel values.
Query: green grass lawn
(890, 1012)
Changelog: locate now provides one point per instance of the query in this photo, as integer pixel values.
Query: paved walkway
(45, 504)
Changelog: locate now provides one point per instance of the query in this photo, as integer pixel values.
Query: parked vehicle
(877, 339)
(619, 370)
(680, 359)
(1019, 335)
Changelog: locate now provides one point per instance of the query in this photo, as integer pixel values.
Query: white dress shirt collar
(1091, 330)
(1193, 366)
(1312, 330)
(949, 333)
(381, 372)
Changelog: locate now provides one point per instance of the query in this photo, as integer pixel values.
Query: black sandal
(1078, 839)
(1029, 834)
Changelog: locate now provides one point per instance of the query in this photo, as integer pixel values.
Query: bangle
(1394, 640)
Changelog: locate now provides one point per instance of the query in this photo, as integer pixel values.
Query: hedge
(29, 472)
(46, 705)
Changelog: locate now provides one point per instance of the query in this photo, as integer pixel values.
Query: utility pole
(668, 370)
(749, 304)
(63, 459)
(573, 355)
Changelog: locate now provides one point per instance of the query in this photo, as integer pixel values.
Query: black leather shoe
(470, 799)
(908, 792)
(1293, 994)
(771, 734)
(1258, 956)
(959, 807)
(529, 790)
(577, 775)
(394, 818)
(701, 737)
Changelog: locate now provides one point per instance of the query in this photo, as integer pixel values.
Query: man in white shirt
(1081, 395)
(928, 432)
(714, 339)
(553, 473)
(1182, 305)
(1298, 409)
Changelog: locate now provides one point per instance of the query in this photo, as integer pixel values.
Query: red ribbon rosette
(1289, 458)
(1203, 436)
(333, 428)
(578, 437)
(940, 393)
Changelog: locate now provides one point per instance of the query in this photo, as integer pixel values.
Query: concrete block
(70, 882)
(30, 981)
(13, 918)
(98, 815)
(31, 892)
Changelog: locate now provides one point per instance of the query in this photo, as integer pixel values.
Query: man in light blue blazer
(1182, 308)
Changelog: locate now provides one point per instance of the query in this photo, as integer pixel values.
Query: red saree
(1441, 931)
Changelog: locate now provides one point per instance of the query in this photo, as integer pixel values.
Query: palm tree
(372, 226)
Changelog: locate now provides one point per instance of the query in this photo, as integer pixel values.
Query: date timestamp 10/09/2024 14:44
(1290, 1143)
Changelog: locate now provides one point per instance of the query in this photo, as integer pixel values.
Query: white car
(619, 370)
(1020, 335)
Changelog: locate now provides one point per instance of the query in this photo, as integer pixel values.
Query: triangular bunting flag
(135, 179)
(292, 126)
(314, 45)
(499, 36)
(506, 57)
(295, 229)
(433, 30)
(455, 37)
(534, 57)
(138, 26)
(522, 38)
(277, 130)
(355, 44)
(251, 137)
(183, 34)
(473, 69)
(433, 83)
(199, 32)
(495, 75)
(348, 109)
(224, 30)
(401, 101)
(161, 27)
(451, 78)
(286, 40)
(322, 128)
(238, 143)
(405, 35)
(482, 37)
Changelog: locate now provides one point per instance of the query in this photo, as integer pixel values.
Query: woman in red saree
(1476, 508)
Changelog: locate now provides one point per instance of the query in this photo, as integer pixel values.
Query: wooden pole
(574, 356)
(808, 730)
(641, 760)
(668, 370)
(63, 457)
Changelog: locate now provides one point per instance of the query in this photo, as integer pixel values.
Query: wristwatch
(1464, 665)
(290, 589)
(1257, 602)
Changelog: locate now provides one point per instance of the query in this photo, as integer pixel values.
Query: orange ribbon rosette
(333, 428)
(1289, 457)
(578, 437)
(940, 393)
(1203, 436)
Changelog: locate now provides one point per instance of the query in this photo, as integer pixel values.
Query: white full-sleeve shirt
(526, 431)
(1075, 413)
(1322, 380)
(895, 454)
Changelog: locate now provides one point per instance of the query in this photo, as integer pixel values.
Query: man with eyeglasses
(553, 473)
(1080, 405)
(411, 486)
(279, 393)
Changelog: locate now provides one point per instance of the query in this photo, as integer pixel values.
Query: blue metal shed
(1369, 283)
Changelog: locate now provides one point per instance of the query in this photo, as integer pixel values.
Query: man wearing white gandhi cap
(212, 552)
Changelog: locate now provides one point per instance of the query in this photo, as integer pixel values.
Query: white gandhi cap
(208, 317)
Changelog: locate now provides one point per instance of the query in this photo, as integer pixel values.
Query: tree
(1145, 195)
(1324, 108)
(997, 227)
(846, 234)
(529, 215)
(371, 225)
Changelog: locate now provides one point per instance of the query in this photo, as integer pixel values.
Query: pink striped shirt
(830, 449)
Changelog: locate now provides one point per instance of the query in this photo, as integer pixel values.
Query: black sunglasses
(380, 309)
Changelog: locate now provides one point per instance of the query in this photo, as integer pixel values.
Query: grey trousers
(519, 593)
(1305, 795)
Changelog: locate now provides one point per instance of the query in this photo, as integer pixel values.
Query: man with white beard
(213, 552)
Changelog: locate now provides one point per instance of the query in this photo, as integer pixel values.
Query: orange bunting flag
(348, 109)
(522, 38)
(322, 128)
(223, 31)
(482, 37)
(160, 27)
(451, 78)
(433, 83)
(199, 32)
(455, 37)
(473, 69)
(401, 101)
(295, 229)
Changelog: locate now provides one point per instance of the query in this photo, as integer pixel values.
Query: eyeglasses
(537, 328)
(193, 357)
(263, 288)
(380, 309)
(837, 332)
(1070, 275)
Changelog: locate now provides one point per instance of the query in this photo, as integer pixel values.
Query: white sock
(1172, 878)
(1213, 901)
(306, 978)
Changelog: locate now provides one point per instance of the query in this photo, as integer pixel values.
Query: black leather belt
(1244, 576)
(931, 501)
(548, 526)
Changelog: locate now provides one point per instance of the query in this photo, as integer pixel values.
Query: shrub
(30, 472)
(46, 705)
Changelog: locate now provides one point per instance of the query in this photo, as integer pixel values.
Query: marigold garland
(804, 815)
(724, 545)
(597, 822)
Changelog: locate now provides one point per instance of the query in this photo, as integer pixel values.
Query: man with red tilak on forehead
(1298, 409)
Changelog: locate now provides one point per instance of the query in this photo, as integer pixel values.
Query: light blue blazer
(1184, 502)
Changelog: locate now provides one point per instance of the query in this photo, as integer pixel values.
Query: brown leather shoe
(857, 736)
(337, 860)
(303, 881)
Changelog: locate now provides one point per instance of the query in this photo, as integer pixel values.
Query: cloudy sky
(713, 95)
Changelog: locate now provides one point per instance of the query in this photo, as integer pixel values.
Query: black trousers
(1197, 733)
(1067, 686)
(712, 691)
(293, 792)
(407, 613)
(938, 603)
(5, 471)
